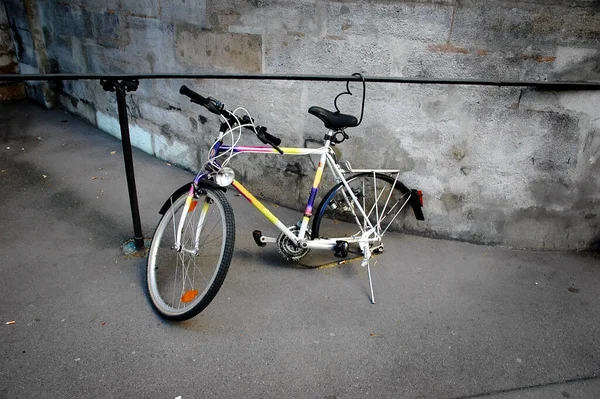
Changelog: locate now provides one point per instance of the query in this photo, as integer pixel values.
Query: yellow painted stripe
(188, 203)
(291, 150)
(254, 201)
(305, 219)
(318, 175)
(205, 207)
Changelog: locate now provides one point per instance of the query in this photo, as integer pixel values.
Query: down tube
(262, 209)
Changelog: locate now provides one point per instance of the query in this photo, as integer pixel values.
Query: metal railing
(123, 83)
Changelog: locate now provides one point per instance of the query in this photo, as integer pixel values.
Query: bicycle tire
(339, 213)
(201, 273)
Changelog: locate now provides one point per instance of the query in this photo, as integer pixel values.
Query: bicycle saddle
(333, 120)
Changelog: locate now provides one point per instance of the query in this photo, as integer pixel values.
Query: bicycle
(193, 244)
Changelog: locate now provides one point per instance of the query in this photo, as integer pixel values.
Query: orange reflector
(193, 205)
(420, 195)
(189, 296)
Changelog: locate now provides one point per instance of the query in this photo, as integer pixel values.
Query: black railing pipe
(553, 85)
(121, 88)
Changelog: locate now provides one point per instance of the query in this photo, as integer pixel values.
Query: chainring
(288, 249)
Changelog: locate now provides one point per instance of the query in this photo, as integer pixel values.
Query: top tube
(271, 150)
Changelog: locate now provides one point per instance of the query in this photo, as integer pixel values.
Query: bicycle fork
(190, 205)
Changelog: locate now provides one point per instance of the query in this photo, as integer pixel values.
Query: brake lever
(277, 148)
(260, 133)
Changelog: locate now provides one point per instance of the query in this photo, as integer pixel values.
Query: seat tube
(313, 192)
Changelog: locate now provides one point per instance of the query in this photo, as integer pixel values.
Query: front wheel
(183, 281)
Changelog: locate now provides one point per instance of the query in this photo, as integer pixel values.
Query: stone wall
(26, 29)
(510, 166)
(8, 61)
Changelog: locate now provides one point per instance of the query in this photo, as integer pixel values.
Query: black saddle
(333, 120)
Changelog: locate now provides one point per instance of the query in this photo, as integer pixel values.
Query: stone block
(176, 152)
(299, 18)
(12, 91)
(233, 52)
(140, 138)
(576, 64)
(173, 122)
(426, 22)
(65, 20)
(77, 107)
(16, 15)
(9, 60)
(109, 124)
(6, 42)
(108, 30)
(152, 42)
(537, 25)
(192, 12)
(97, 5)
(24, 47)
(144, 8)
(3, 17)
(416, 59)
(298, 54)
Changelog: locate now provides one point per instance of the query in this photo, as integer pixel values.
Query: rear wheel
(183, 281)
(383, 199)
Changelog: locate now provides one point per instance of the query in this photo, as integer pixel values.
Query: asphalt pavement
(452, 320)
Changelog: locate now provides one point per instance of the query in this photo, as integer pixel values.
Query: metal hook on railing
(362, 111)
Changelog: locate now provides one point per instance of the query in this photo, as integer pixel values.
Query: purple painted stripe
(311, 201)
(200, 176)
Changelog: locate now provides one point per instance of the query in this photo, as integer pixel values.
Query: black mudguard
(414, 201)
(184, 189)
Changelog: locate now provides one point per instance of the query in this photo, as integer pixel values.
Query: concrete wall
(510, 166)
(8, 61)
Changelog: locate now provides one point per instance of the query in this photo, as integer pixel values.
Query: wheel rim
(179, 280)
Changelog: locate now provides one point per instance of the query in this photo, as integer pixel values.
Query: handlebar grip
(186, 91)
(274, 140)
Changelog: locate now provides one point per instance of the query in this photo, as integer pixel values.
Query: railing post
(121, 88)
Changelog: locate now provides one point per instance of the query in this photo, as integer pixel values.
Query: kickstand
(371, 281)
(367, 255)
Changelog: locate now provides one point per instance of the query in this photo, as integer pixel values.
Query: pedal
(341, 249)
(377, 249)
(257, 234)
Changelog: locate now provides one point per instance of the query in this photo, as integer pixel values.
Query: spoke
(396, 215)
(350, 204)
(390, 194)
(377, 198)
(213, 229)
(179, 257)
(363, 205)
(376, 207)
(208, 242)
(196, 266)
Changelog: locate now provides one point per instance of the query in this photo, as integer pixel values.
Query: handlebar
(218, 108)
(214, 106)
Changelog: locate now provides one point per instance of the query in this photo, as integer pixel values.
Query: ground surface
(452, 320)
